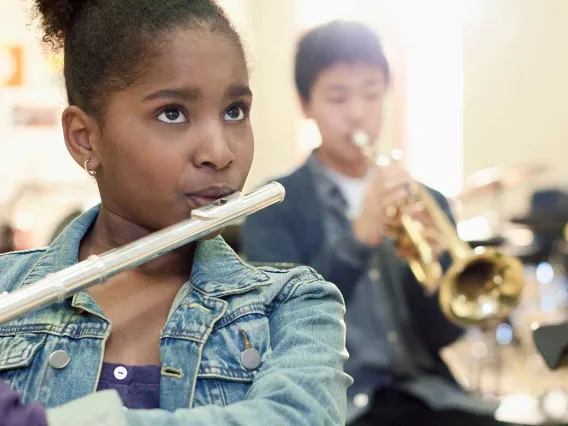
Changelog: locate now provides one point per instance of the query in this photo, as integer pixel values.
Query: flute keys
(59, 359)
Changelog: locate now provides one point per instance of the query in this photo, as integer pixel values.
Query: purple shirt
(138, 386)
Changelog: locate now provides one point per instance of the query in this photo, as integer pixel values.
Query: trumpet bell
(482, 289)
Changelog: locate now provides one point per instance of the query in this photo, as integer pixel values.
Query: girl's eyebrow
(182, 93)
(236, 91)
(192, 94)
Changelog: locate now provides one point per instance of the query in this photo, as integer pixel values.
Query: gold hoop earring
(92, 173)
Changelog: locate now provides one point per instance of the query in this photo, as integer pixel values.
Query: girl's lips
(201, 201)
(208, 195)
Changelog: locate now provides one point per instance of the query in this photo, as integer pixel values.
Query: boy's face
(346, 98)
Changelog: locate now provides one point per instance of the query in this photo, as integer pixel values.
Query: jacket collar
(320, 175)
(217, 270)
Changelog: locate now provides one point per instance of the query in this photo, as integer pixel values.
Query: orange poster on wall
(11, 66)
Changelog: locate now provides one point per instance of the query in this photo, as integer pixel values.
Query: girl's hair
(107, 43)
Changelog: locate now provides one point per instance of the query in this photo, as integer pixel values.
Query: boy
(333, 219)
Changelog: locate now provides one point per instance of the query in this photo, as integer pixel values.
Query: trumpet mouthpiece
(361, 139)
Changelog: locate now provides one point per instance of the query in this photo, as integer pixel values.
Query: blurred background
(483, 81)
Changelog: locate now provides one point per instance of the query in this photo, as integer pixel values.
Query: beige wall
(516, 88)
(30, 153)
(275, 113)
(268, 28)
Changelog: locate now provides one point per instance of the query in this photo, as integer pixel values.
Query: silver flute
(97, 269)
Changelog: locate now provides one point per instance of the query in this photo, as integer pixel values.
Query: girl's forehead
(209, 61)
(191, 52)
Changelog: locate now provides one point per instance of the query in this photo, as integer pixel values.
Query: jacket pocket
(18, 351)
(17, 354)
(231, 359)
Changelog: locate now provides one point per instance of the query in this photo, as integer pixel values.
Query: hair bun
(57, 18)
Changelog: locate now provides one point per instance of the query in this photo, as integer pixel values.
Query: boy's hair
(333, 43)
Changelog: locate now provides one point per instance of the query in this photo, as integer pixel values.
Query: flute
(97, 269)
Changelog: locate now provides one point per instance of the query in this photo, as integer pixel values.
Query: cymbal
(492, 179)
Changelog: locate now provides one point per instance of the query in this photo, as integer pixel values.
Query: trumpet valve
(391, 211)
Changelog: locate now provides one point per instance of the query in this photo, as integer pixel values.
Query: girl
(158, 114)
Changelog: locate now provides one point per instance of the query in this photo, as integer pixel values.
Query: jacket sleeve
(430, 323)
(267, 237)
(301, 383)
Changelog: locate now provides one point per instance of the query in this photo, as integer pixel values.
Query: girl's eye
(172, 115)
(236, 113)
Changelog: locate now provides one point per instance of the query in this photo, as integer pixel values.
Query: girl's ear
(82, 136)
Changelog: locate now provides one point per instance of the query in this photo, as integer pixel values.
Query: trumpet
(480, 288)
(97, 269)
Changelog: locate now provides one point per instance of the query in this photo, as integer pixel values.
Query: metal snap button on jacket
(59, 359)
(250, 358)
(392, 336)
(374, 274)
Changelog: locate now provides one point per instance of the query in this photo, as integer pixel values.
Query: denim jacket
(293, 318)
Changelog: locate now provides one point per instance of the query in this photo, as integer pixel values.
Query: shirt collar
(327, 187)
